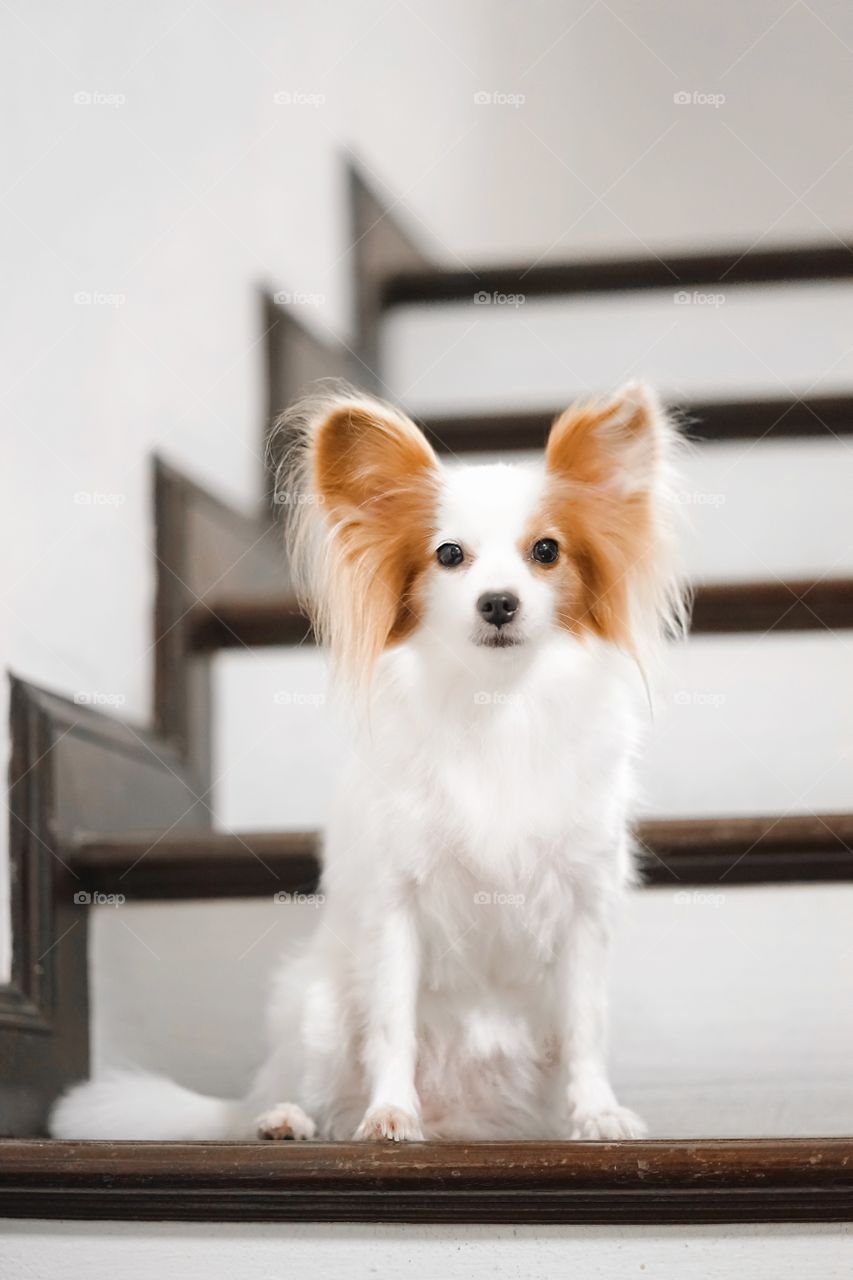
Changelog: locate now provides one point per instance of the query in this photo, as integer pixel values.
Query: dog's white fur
(455, 986)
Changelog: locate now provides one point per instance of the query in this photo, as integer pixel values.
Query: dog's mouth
(499, 639)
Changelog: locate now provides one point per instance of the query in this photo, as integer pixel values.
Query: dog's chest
(484, 926)
(511, 829)
(517, 790)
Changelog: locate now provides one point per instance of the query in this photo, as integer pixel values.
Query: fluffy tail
(140, 1106)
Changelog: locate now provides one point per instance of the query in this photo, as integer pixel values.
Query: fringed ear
(610, 468)
(359, 485)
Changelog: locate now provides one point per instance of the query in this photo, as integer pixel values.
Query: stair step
(743, 1180)
(198, 864)
(703, 851)
(798, 605)
(712, 420)
(729, 267)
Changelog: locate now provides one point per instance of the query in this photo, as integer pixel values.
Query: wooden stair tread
(796, 605)
(736, 1180)
(675, 852)
(725, 268)
(711, 420)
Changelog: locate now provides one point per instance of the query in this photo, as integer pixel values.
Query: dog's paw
(391, 1124)
(285, 1122)
(611, 1124)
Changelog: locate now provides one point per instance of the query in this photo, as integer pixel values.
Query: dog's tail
(136, 1105)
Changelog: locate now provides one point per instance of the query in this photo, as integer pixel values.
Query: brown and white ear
(610, 466)
(358, 485)
(620, 443)
(365, 455)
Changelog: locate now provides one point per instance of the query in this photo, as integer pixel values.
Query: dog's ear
(366, 457)
(609, 467)
(614, 444)
(360, 487)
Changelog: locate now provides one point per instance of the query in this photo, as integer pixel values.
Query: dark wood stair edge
(707, 421)
(797, 605)
(737, 1180)
(72, 768)
(721, 268)
(718, 852)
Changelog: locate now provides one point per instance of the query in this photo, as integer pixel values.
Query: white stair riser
(717, 1029)
(770, 341)
(742, 724)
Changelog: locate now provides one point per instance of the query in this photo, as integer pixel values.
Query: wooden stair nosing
(735, 1180)
(725, 268)
(724, 608)
(675, 853)
(822, 417)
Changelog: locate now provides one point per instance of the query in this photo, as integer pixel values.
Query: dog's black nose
(497, 607)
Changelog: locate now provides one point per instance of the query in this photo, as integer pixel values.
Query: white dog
(490, 620)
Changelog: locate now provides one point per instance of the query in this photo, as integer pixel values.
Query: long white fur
(474, 856)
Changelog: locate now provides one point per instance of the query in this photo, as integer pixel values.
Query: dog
(490, 624)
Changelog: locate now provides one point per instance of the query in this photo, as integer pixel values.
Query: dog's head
(387, 541)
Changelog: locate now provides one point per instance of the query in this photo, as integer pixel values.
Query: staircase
(98, 804)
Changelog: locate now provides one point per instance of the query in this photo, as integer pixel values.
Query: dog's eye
(449, 554)
(545, 551)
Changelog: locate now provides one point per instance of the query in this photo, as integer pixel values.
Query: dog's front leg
(593, 1110)
(390, 1042)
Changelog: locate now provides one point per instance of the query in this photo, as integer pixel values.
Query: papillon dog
(490, 622)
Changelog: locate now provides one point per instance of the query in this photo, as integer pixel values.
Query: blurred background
(165, 163)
